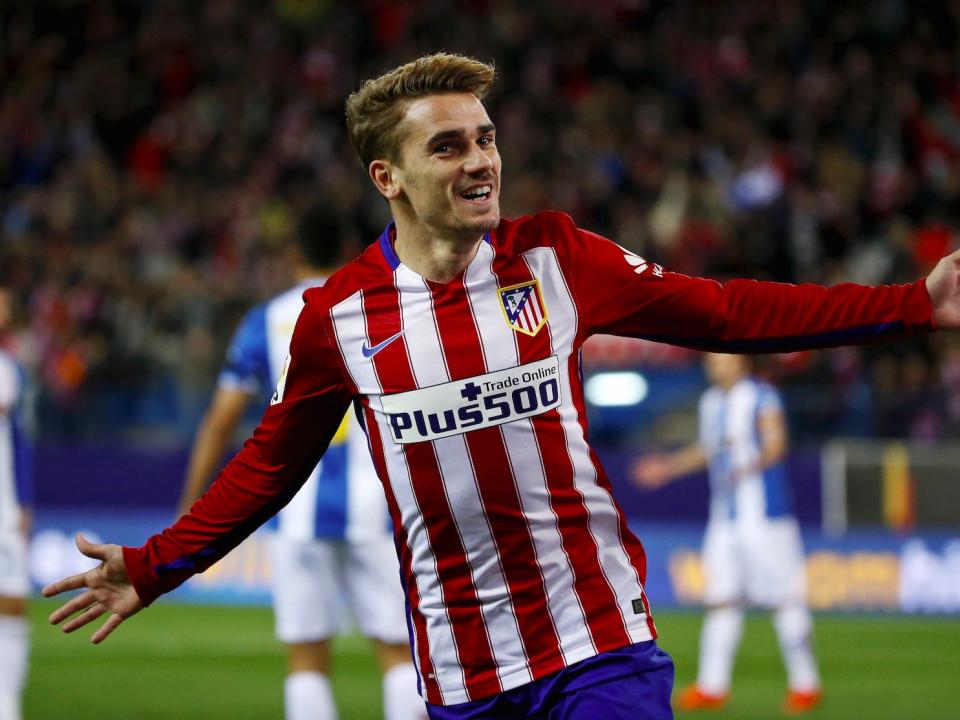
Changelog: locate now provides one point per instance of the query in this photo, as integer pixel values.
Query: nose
(478, 160)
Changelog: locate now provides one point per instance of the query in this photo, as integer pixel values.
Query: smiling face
(446, 180)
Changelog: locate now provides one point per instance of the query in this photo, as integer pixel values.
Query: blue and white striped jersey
(730, 437)
(343, 498)
(15, 470)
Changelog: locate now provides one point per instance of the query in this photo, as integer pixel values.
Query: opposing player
(333, 539)
(459, 336)
(752, 552)
(15, 517)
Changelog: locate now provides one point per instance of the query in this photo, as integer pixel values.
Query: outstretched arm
(285, 447)
(619, 293)
(654, 471)
(107, 590)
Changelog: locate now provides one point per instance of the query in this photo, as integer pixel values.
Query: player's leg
(719, 639)
(307, 694)
(401, 701)
(723, 622)
(794, 626)
(305, 586)
(14, 633)
(373, 580)
(780, 584)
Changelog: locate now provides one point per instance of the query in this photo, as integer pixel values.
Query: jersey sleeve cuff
(141, 575)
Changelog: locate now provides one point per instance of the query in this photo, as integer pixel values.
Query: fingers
(644, 471)
(74, 582)
(649, 475)
(67, 609)
(108, 627)
(647, 482)
(89, 616)
(91, 550)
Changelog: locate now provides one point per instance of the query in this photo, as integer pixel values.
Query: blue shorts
(632, 683)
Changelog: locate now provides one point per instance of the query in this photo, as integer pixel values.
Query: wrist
(141, 575)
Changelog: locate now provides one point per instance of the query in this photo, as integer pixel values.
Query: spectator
(144, 146)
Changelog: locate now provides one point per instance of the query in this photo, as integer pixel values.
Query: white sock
(307, 696)
(10, 706)
(14, 644)
(401, 701)
(719, 638)
(794, 626)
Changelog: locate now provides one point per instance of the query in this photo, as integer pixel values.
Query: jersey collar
(390, 254)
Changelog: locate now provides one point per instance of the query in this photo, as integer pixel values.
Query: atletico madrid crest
(523, 307)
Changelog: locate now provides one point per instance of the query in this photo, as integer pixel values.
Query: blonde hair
(375, 111)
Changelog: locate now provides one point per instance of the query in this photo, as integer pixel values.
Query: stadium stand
(155, 157)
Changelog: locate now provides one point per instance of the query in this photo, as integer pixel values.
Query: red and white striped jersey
(516, 559)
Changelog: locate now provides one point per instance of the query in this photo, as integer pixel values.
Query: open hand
(943, 284)
(108, 590)
(651, 472)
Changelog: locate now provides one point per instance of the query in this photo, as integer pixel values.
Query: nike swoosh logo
(369, 352)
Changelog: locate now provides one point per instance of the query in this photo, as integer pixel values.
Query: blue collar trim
(390, 255)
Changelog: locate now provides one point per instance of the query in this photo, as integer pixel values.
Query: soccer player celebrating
(333, 538)
(458, 334)
(15, 519)
(752, 552)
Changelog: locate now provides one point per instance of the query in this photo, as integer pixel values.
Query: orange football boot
(800, 702)
(693, 698)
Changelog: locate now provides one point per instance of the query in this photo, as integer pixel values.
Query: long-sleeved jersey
(515, 557)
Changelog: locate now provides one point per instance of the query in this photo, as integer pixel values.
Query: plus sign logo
(468, 404)
(470, 392)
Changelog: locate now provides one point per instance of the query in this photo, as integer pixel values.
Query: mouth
(477, 194)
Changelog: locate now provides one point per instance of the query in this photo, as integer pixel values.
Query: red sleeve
(288, 443)
(619, 293)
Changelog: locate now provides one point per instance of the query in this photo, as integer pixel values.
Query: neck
(434, 257)
(728, 384)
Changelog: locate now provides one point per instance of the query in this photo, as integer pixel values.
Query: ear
(385, 176)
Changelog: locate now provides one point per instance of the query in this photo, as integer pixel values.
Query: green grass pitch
(181, 662)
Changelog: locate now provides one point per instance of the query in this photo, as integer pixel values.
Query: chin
(478, 223)
(484, 223)
(489, 224)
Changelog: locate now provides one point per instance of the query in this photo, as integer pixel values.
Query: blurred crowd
(156, 158)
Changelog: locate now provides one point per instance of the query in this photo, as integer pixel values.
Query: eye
(486, 140)
(444, 148)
